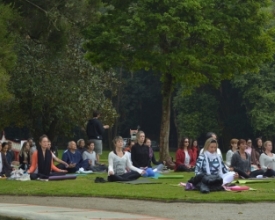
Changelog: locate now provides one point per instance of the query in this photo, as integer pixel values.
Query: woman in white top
(233, 149)
(267, 160)
(119, 162)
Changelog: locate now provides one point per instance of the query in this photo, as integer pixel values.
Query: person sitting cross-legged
(42, 163)
(241, 162)
(91, 155)
(118, 162)
(74, 159)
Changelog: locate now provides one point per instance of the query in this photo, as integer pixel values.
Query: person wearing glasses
(184, 157)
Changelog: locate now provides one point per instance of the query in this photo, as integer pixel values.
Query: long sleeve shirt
(238, 162)
(118, 165)
(229, 155)
(267, 162)
(214, 166)
(34, 164)
(181, 157)
(140, 155)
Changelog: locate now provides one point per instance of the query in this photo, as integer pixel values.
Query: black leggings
(183, 168)
(255, 173)
(133, 175)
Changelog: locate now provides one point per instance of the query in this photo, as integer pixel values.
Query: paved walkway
(36, 212)
(47, 208)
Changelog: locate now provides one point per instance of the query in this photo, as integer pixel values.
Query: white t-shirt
(187, 158)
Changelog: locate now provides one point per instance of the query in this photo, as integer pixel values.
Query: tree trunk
(165, 118)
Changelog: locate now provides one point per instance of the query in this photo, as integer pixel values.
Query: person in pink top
(248, 146)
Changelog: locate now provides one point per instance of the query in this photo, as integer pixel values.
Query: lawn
(166, 191)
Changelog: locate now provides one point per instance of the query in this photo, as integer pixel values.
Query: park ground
(173, 210)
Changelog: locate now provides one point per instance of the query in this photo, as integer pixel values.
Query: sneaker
(100, 180)
(189, 186)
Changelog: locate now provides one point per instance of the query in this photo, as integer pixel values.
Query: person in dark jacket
(140, 152)
(24, 156)
(95, 131)
(10, 154)
(5, 168)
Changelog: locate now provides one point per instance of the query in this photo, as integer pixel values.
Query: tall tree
(257, 91)
(192, 42)
(7, 53)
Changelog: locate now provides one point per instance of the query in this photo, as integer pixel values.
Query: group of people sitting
(125, 164)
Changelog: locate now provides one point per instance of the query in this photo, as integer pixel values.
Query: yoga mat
(170, 177)
(139, 181)
(51, 178)
(76, 174)
(244, 181)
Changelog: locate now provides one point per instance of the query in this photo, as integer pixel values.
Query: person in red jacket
(184, 157)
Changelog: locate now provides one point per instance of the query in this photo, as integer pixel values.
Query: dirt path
(205, 211)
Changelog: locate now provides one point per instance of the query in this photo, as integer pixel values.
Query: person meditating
(119, 162)
(140, 152)
(267, 160)
(74, 159)
(184, 157)
(42, 163)
(241, 162)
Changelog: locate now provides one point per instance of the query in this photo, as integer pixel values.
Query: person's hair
(181, 146)
(78, 142)
(194, 141)
(129, 141)
(249, 139)
(116, 139)
(265, 144)
(138, 134)
(233, 141)
(209, 135)
(241, 141)
(256, 141)
(30, 139)
(147, 139)
(208, 142)
(24, 145)
(96, 113)
(42, 137)
(89, 142)
(4, 144)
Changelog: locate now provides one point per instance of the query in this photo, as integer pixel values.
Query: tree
(7, 54)
(52, 96)
(257, 91)
(191, 42)
(196, 113)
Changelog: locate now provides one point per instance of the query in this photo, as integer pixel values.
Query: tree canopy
(7, 55)
(191, 42)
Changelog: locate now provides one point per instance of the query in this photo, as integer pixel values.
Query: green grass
(84, 186)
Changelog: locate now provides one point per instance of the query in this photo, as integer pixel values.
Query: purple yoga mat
(70, 177)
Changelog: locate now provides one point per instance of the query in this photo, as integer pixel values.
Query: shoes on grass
(81, 170)
(100, 180)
